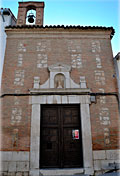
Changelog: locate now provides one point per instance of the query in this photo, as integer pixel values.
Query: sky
(79, 12)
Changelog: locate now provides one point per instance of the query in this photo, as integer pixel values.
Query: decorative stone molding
(59, 67)
(82, 82)
(36, 82)
(63, 80)
(60, 89)
(69, 91)
(60, 99)
(43, 33)
(36, 101)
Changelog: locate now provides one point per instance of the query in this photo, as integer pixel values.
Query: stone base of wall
(17, 163)
(14, 173)
(105, 160)
(14, 163)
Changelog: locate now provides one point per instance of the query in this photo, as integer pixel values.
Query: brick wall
(15, 123)
(28, 54)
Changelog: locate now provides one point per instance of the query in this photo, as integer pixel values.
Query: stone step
(62, 172)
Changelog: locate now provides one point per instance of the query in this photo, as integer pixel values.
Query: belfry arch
(31, 17)
(24, 7)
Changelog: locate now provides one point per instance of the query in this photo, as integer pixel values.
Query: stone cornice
(31, 33)
(60, 91)
(35, 29)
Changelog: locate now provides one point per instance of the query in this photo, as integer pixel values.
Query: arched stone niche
(59, 71)
(59, 81)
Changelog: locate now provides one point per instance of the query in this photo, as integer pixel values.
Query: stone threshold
(68, 172)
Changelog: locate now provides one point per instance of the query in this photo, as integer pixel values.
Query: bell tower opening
(31, 12)
(31, 17)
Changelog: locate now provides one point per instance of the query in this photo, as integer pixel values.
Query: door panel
(50, 149)
(50, 116)
(71, 115)
(72, 150)
(58, 148)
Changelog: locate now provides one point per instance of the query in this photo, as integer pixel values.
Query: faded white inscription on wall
(96, 46)
(104, 116)
(76, 61)
(106, 136)
(19, 77)
(21, 47)
(99, 77)
(74, 46)
(102, 98)
(42, 60)
(16, 100)
(16, 115)
(43, 46)
(98, 62)
(20, 60)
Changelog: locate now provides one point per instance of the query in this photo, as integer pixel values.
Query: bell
(31, 18)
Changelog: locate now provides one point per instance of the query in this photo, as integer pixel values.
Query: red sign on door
(75, 134)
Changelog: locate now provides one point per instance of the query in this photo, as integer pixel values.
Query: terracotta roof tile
(63, 27)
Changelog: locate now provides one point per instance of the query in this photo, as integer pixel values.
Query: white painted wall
(9, 20)
(117, 69)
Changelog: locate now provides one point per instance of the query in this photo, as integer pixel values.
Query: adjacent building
(59, 99)
(117, 68)
(6, 18)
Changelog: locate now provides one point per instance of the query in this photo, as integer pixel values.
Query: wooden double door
(59, 147)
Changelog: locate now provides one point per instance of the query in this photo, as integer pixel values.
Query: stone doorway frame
(72, 96)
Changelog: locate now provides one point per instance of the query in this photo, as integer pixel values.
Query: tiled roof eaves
(63, 27)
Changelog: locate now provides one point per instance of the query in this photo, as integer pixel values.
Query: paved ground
(71, 175)
(107, 174)
(111, 174)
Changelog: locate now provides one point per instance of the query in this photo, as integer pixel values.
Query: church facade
(59, 99)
